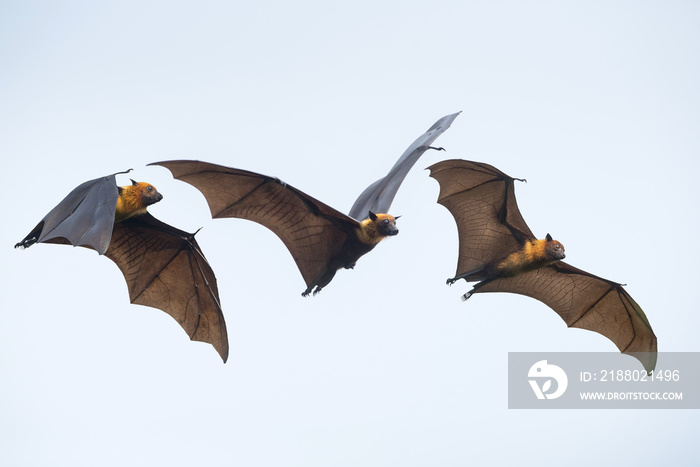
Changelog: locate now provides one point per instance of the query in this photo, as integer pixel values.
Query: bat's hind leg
(452, 280)
(311, 291)
(469, 276)
(319, 283)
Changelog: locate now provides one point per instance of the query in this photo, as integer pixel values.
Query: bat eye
(149, 188)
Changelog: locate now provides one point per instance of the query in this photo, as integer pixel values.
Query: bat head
(553, 249)
(147, 192)
(384, 223)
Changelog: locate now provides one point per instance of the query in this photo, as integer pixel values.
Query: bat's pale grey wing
(83, 218)
(379, 195)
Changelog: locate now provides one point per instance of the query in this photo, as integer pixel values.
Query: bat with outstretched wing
(320, 239)
(499, 251)
(163, 266)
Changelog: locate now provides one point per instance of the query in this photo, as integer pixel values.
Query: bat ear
(133, 182)
(372, 216)
(548, 238)
(397, 217)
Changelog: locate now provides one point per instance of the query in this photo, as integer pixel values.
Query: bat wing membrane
(586, 301)
(482, 201)
(164, 268)
(378, 196)
(83, 218)
(312, 231)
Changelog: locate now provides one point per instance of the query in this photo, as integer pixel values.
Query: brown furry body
(533, 255)
(359, 242)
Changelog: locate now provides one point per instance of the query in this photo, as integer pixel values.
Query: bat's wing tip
(647, 359)
(26, 243)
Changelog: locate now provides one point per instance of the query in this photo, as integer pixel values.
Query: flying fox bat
(498, 249)
(320, 239)
(163, 266)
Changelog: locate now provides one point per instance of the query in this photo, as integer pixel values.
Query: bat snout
(390, 232)
(154, 198)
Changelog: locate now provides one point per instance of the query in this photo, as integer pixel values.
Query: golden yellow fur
(133, 200)
(369, 233)
(533, 255)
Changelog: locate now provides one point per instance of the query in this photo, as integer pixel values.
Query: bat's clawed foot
(437, 149)
(309, 291)
(466, 296)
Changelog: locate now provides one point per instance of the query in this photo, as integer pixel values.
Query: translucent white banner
(567, 380)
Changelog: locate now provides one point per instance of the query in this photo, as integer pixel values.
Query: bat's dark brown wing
(588, 302)
(164, 268)
(481, 198)
(312, 231)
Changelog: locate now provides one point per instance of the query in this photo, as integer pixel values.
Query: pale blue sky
(596, 104)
